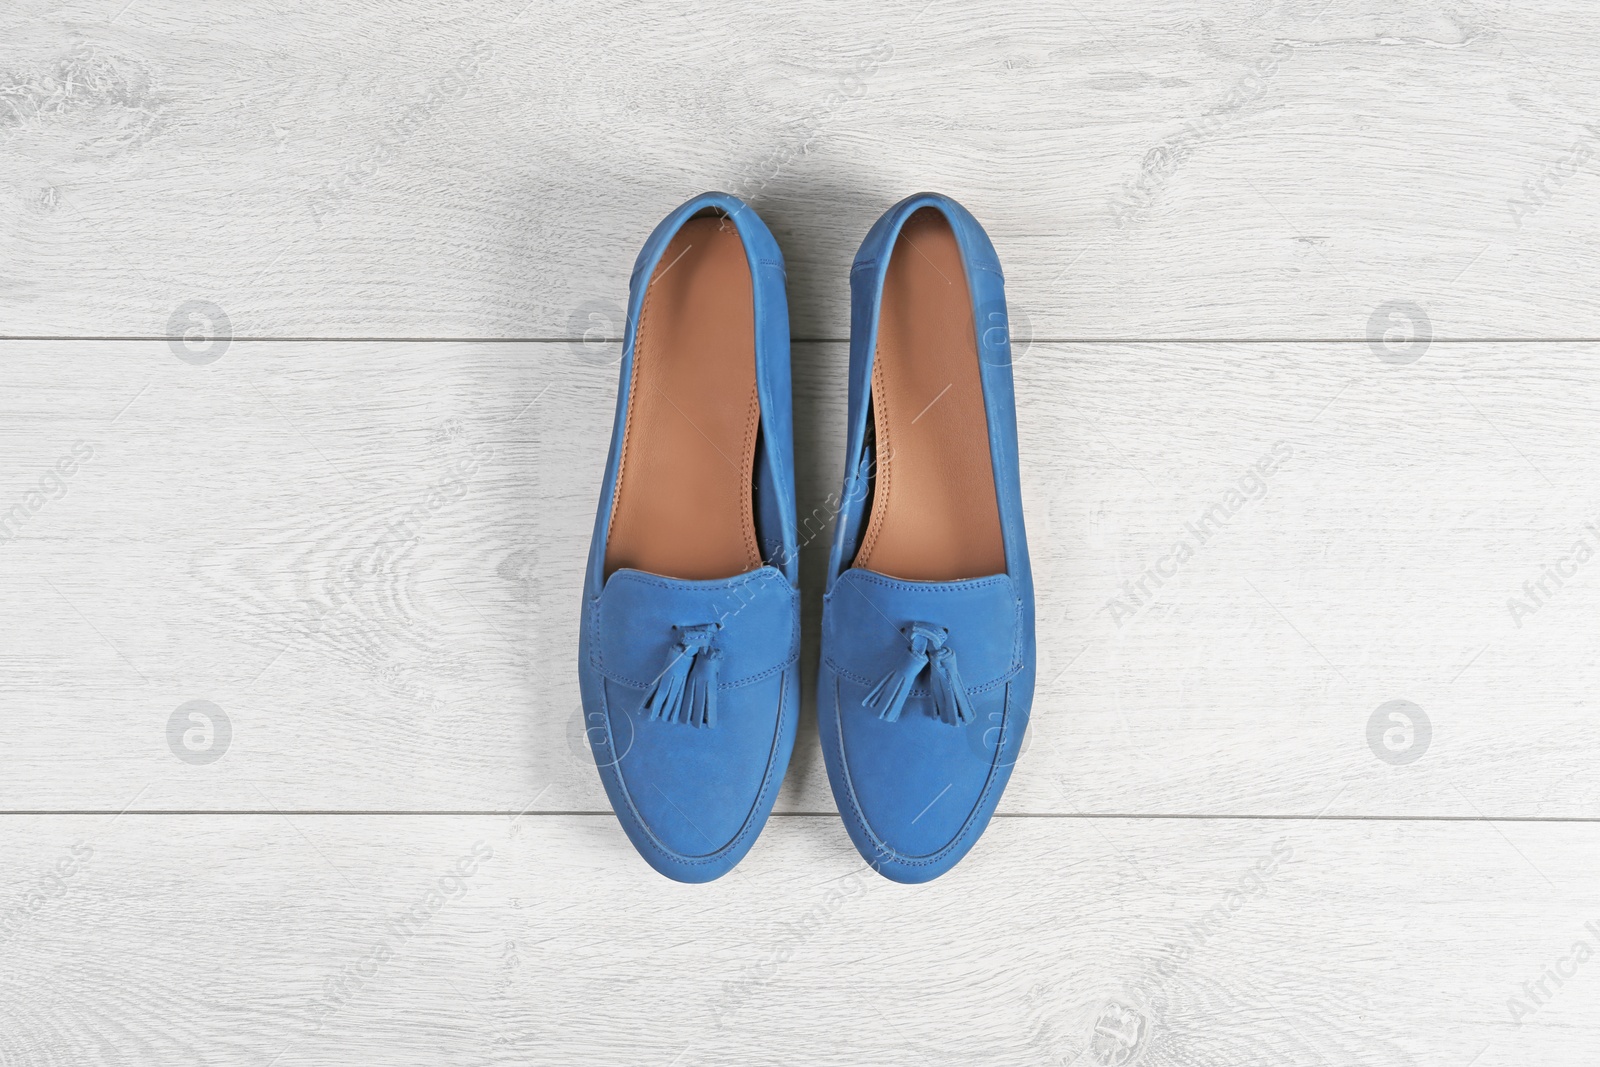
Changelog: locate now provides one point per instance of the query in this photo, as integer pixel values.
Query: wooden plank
(369, 556)
(1355, 531)
(406, 939)
(1190, 169)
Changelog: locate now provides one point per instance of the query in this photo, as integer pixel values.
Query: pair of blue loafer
(689, 652)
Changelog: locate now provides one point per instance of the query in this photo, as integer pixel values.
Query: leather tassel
(666, 701)
(702, 688)
(888, 697)
(925, 646)
(949, 695)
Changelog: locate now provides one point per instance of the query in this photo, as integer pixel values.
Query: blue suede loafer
(691, 613)
(927, 666)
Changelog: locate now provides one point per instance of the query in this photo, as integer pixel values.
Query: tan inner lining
(935, 516)
(683, 504)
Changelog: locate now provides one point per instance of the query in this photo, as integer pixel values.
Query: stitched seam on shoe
(922, 691)
(1007, 478)
(747, 578)
(739, 683)
(627, 421)
(744, 829)
(597, 656)
(859, 815)
(875, 578)
(752, 427)
(646, 578)
(883, 464)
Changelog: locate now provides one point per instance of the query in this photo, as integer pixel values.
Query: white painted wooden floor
(308, 320)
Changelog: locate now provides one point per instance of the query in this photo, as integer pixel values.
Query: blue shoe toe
(915, 784)
(919, 828)
(696, 818)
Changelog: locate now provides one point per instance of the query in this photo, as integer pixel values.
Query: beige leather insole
(935, 516)
(683, 504)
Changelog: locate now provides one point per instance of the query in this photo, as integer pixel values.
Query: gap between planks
(1164, 817)
(142, 338)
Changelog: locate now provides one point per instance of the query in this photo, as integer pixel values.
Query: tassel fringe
(703, 688)
(888, 697)
(949, 695)
(925, 646)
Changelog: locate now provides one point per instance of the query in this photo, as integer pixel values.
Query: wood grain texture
(369, 556)
(471, 940)
(1186, 169)
(293, 766)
